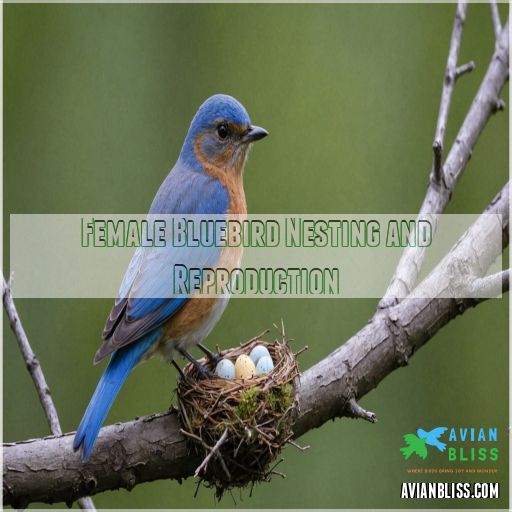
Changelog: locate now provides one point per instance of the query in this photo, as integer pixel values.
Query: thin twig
(451, 74)
(86, 503)
(485, 103)
(272, 469)
(258, 337)
(213, 451)
(36, 372)
(356, 411)
(301, 351)
(491, 286)
(193, 436)
(499, 105)
(298, 446)
(496, 23)
(464, 68)
(31, 361)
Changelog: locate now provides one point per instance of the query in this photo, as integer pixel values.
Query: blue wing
(145, 300)
(436, 433)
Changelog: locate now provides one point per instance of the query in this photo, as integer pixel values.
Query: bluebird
(415, 445)
(432, 437)
(207, 179)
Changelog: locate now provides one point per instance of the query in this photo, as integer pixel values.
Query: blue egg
(264, 365)
(258, 352)
(225, 369)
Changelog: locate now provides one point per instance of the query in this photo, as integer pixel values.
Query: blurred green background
(97, 101)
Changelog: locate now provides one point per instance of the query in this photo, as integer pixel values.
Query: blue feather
(119, 367)
(199, 194)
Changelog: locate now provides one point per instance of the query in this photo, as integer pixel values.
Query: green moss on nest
(280, 399)
(248, 404)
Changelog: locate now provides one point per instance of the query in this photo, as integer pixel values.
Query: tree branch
(451, 74)
(388, 341)
(31, 361)
(36, 372)
(493, 285)
(354, 410)
(154, 447)
(486, 102)
(495, 18)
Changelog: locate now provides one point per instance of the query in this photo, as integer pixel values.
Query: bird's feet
(214, 358)
(204, 372)
(178, 368)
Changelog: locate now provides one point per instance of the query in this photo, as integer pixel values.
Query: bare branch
(505, 281)
(495, 18)
(438, 194)
(493, 285)
(301, 448)
(354, 410)
(127, 454)
(465, 68)
(154, 447)
(35, 371)
(31, 361)
(451, 74)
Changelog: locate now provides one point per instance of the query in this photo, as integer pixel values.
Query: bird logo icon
(417, 443)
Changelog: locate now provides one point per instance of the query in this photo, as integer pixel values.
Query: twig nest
(238, 427)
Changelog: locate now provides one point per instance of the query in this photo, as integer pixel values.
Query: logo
(460, 444)
(417, 443)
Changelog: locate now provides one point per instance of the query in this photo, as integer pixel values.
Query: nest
(238, 427)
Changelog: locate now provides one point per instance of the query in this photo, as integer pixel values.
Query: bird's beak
(254, 133)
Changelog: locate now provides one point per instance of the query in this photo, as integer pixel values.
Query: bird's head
(220, 135)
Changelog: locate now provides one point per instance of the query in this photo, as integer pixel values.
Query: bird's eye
(222, 131)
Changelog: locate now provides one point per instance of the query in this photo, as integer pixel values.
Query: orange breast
(198, 312)
(194, 314)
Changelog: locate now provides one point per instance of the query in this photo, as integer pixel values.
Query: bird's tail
(407, 451)
(119, 367)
